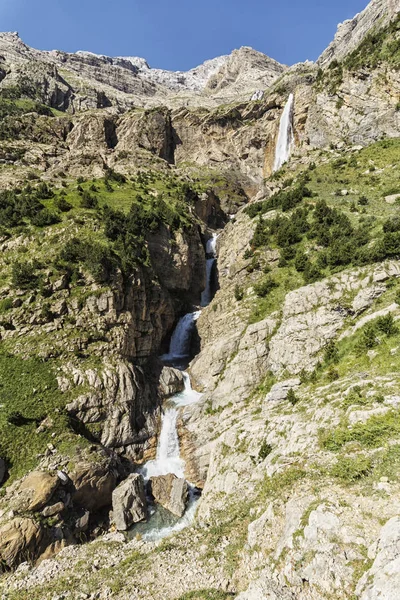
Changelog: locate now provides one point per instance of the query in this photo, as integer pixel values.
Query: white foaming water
(179, 346)
(187, 519)
(211, 246)
(211, 251)
(285, 137)
(206, 295)
(168, 459)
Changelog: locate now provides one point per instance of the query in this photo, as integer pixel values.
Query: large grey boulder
(129, 502)
(171, 382)
(171, 492)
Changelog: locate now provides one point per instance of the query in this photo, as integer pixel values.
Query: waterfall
(168, 459)
(285, 136)
(206, 295)
(180, 341)
(211, 251)
(211, 246)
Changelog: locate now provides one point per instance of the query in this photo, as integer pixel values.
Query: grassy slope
(372, 172)
(28, 378)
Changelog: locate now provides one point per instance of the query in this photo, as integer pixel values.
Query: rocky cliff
(113, 178)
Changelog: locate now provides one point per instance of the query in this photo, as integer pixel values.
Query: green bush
(265, 287)
(371, 434)
(291, 397)
(23, 275)
(351, 469)
(265, 450)
(239, 293)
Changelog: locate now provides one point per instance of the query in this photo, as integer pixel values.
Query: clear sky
(179, 34)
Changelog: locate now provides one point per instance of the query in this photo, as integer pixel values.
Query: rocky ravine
(295, 440)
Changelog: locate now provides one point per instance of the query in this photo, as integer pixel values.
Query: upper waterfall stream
(285, 137)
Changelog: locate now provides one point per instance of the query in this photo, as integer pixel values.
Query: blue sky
(179, 34)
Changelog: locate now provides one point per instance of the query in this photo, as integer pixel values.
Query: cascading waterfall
(168, 459)
(179, 347)
(211, 250)
(286, 136)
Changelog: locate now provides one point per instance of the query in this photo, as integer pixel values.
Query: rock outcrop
(129, 502)
(171, 492)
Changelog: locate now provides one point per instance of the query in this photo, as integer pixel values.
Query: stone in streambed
(171, 382)
(129, 502)
(171, 492)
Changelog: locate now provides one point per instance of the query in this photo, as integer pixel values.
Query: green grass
(343, 171)
(29, 388)
(375, 432)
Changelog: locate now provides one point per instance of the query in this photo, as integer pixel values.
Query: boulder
(129, 502)
(94, 484)
(39, 487)
(280, 390)
(19, 541)
(171, 492)
(82, 523)
(171, 382)
(54, 509)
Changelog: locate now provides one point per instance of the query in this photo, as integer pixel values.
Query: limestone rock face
(243, 71)
(19, 541)
(352, 32)
(129, 502)
(171, 492)
(383, 578)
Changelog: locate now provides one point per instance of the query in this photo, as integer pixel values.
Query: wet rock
(171, 492)
(171, 382)
(129, 502)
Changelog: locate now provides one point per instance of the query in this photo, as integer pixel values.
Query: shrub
(265, 286)
(23, 275)
(45, 218)
(332, 374)
(5, 305)
(291, 397)
(371, 434)
(386, 324)
(62, 204)
(88, 200)
(265, 450)
(239, 293)
(351, 469)
(331, 353)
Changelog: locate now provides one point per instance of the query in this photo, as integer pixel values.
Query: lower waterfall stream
(161, 522)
